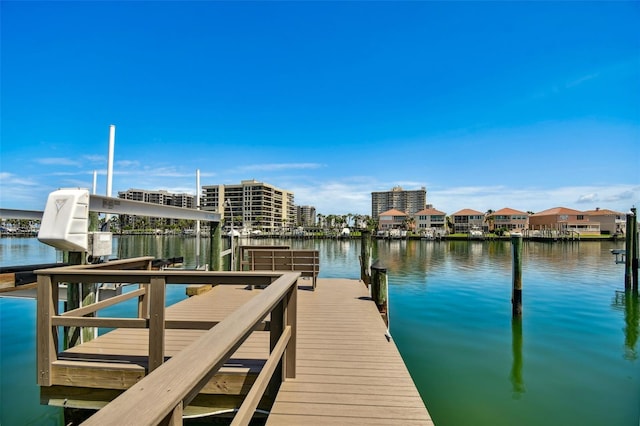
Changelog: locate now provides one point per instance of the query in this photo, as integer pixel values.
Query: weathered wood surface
(347, 371)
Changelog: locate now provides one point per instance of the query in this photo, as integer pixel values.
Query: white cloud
(8, 180)
(95, 158)
(127, 163)
(334, 197)
(587, 198)
(615, 197)
(578, 81)
(624, 195)
(58, 161)
(279, 166)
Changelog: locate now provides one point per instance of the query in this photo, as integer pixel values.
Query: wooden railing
(306, 262)
(159, 398)
(243, 253)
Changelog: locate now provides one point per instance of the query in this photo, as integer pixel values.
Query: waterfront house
(509, 219)
(431, 221)
(611, 222)
(563, 219)
(467, 219)
(392, 219)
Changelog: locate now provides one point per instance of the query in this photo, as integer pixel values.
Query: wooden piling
(516, 297)
(379, 289)
(215, 246)
(634, 252)
(628, 243)
(72, 334)
(365, 257)
(631, 251)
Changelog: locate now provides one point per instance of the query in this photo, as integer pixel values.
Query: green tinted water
(573, 360)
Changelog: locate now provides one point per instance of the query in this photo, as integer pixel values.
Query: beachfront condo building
(252, 205)
(161, 197)
(306, 216)
(409, 202)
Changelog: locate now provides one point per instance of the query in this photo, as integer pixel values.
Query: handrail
(161, 395)
(94, 307)
(204, 357)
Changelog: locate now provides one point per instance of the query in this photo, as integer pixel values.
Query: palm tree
(357, 220)
(411, 222)
(489, 218)
(372, 224)
(450, 225)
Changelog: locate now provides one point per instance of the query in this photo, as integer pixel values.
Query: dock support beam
(516, 297)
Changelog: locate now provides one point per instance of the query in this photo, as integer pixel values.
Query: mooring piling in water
(631, 250)
(516, 296)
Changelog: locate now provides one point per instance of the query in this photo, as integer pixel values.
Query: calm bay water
(572, 360)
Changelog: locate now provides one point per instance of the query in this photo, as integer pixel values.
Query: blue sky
(527, 105)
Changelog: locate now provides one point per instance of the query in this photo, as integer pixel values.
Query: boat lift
(64, 222)
(620, 255)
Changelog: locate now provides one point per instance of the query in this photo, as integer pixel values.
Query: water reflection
(453, 333)
(517, 381)
(628, 301)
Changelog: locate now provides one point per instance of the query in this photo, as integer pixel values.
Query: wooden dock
(347, 372)
(333, 363)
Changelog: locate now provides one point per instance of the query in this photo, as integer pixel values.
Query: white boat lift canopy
(103, 204)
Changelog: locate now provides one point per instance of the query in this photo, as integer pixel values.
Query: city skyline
(527, 105)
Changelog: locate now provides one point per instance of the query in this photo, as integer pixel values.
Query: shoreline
(455, 237)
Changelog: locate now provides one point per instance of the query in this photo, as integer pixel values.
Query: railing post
(379, 288)
(46, 333)
(156, 321)
(175, 416)
(143, 300)
(276, 329)
(291, 313)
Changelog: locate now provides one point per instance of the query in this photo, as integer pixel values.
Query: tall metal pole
(197, 221)
(93, 216)
(112, 142)
(231, 266)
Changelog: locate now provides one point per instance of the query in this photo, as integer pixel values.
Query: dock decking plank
(347, 370)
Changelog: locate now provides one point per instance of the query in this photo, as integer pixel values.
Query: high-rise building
(162, 197)
(306, 215)
(409, 202)
(252, 205)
